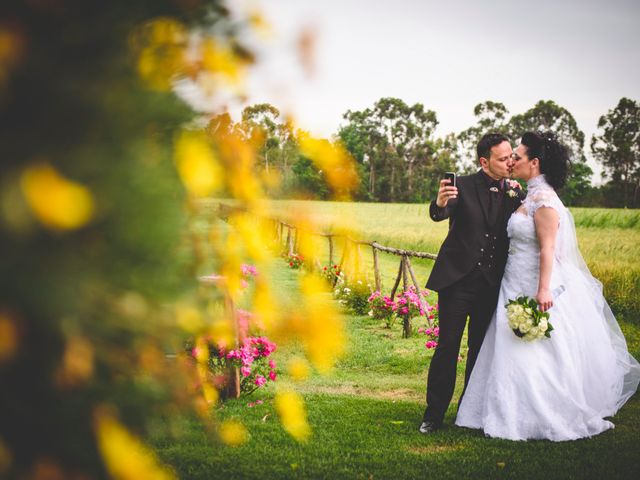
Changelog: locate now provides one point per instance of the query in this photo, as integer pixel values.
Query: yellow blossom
(233, 433)
(322, 327)
(197, 164)
(334, 161)
(293, 415)
(77, 362)
(189, 318)
(125, 456)
(161, 47)
(298, 368)
(8, 337)
(219, 58)
(5, 457)
(58, 203)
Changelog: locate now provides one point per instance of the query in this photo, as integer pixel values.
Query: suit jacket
(471, 239)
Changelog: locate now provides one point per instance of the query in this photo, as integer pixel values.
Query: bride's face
(521, 163)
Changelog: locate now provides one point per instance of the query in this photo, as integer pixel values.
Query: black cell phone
(451, 176)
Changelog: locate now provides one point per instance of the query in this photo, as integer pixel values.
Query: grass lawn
(365, 418)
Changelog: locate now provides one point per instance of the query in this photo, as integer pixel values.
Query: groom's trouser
(471, 297)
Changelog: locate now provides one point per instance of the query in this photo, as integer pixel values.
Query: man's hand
(445, 193)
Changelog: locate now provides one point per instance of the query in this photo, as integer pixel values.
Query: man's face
(499, 163)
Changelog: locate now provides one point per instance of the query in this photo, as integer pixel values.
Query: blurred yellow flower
(189, 318)
(219, 58)
(293, 415)
(58, 203)
(298, 369)
(322, 326)
(8, 337)
(5, 457)
(161, 46)
(77, 362)
(125, 456)
(197, 164)
(233, 433)
(333, 160)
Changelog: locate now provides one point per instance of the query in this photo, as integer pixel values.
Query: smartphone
(451, 176)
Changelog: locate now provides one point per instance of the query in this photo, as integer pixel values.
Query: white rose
(524, 327)
(543, 325)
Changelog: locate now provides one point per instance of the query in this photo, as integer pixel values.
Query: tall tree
(618, 148)
(392, 142)
(547, 115)
(261, 124)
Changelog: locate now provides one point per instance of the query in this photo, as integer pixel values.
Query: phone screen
(451, 176)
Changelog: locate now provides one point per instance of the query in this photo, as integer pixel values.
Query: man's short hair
(487, 142)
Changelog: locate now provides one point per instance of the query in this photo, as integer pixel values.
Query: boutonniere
(494, 189)
(512, 186)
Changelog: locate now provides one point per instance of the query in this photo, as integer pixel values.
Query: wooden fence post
(376, 269)
(406, 330)
(423, 302)
(331, 250)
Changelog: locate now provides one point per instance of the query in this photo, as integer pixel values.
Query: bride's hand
(544, 299)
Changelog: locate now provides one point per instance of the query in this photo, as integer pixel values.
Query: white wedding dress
(558, 388)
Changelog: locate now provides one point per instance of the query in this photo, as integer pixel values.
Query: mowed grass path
(365, 418)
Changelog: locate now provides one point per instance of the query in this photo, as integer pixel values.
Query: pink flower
(404, 311)
(243, 284)
(459, 358)
(428, 331)
(272, 375)
(248, 270)
(431, 344)
(272, 364)
(246, 371)
(260, 380)
(421, 330)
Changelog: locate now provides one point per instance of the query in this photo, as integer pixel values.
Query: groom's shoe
(429, 427)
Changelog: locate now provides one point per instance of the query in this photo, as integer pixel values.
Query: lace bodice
(524, 248)
(541, 194)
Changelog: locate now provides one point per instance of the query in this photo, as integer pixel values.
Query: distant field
(609, 240)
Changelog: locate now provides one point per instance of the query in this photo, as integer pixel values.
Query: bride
(563, 387)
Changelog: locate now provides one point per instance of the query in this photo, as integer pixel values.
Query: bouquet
(526, 320)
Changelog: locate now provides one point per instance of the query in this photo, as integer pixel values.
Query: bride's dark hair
(553, 156)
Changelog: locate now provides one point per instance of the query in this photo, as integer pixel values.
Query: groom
(470, 265)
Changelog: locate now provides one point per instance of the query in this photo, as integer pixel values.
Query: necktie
(495, 201)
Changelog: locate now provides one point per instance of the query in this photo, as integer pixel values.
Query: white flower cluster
(521, 319)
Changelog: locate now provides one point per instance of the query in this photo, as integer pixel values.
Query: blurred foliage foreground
(98, 268)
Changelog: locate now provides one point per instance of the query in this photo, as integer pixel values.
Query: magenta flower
(246, 371)
(260, 380)
(272, 364)
(272, 375)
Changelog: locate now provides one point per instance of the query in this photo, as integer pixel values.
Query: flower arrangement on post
(331, 273)
(295, 261)
(252, 358)
(353, 296)
(382, 308)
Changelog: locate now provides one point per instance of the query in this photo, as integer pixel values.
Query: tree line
(399, 158)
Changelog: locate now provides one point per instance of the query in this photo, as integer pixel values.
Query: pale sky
(448, 55)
